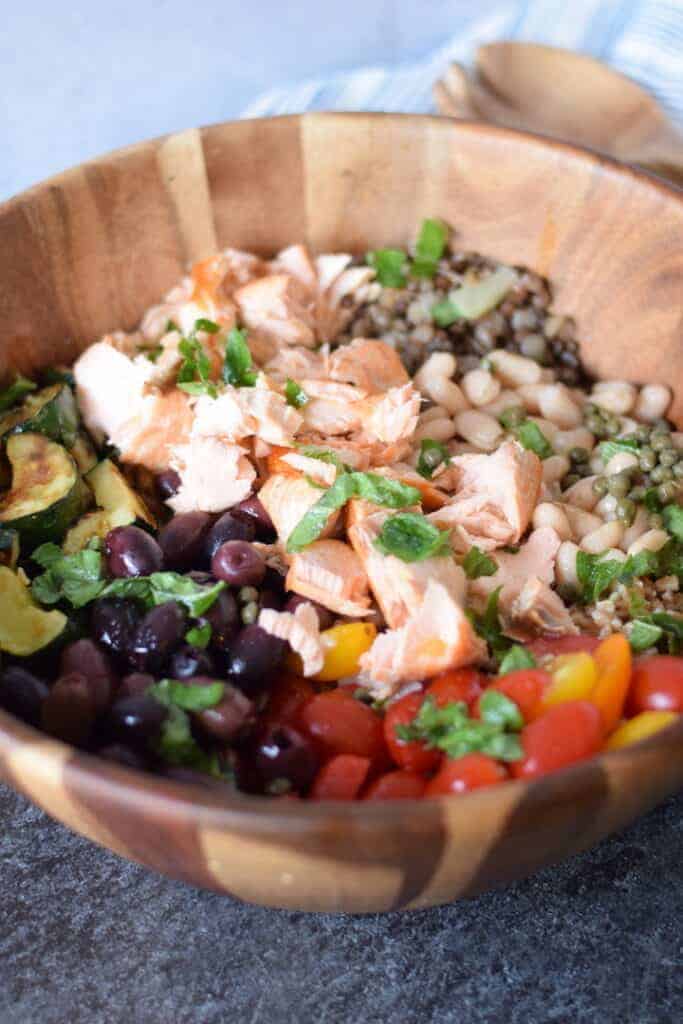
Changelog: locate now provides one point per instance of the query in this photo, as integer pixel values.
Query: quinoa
(614, 614)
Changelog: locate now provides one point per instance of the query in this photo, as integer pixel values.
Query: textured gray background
(86, 938)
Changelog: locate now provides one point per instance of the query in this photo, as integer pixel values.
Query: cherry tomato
(341, 778)
(566, 733)
(343, 725)
(413, 755)
(287, 697)
(524, 686)
(657, 684)
(398, 785)
(554, 645)
(457, 684)
(460, 774)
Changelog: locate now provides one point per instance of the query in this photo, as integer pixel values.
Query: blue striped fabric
(642, 38)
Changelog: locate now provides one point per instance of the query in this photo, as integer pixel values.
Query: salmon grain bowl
(348, 528)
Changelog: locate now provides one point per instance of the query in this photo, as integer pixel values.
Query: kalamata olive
(190, 661)
(85, 657)
(124, 755)
(253, 658)
(271, 599)
(135, 720)
(131, 551)
(22, 694)
(159, 632)
(113, 622)
(223, 617)
(238, 563)
(230, 717)
(325, 616)
(224, 529)
(283, 753)
(168, 484)
(135, 683)
(252, 511)
(69, 709)
(182, 538)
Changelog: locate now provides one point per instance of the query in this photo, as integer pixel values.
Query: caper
(600, 486)
(678, 469)
(654, 521)
(247, 594)
(668, 457)
(661, 426)
(595, 425)
(667, 492)
(658, 442)
(660, 475)
(592, 409)
(618, 484)
(432, 458)
(647, 460)
(637, 493)
(250, 613)
(626, 511)
(641, 435)
(579, 455)
(613, 426)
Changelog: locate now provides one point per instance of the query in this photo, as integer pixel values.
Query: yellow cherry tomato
(647, 723)
(343, 646)
(614, 662)
(573, 678)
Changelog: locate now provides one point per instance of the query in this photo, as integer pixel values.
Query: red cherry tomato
(457, 684)
(341, 778)
(343, 725)
(542, 646)
(412, 755)
(459, 775)
(524, 686)
(286, 699)
(398, 785)
(566, 733)
(656, 684)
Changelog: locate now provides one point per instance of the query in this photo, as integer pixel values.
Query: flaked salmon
(277, 310)
(237, 413)
(330, 572)
(370, 364)
(287, 499)
(214, 475)
(537, 609)
(301, 631)
(534, 560)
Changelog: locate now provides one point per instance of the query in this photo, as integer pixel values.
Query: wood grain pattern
(91, 249)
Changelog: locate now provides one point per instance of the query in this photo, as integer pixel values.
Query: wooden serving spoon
(567, 96)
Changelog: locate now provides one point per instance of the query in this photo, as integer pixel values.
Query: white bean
(615, 555)
(556, 405)
(445, 392)
(547, 513)
(582, 494)
(653, 402)
(597, 463)
(616, 396)
(439, 364)
(565, 440)
(637, 528)
(565, 564)
(462, 448)
(555, 467)
(479, 429)
(505, 400)
(514, 370)
(480, 387)
(622, 460)
(606, 508)
(529, 394)
(437, 412)
(547, 427)
(581, 522)
(651, 540)
(606, 536)
(436, 430)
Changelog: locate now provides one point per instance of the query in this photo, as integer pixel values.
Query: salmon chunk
(244, 412)
(370, 364)
(214, 475)
(301, 631)
(329, 572)
(437, 637)
(287, 499)
(537, 609)
(535, 560)
(392, 417)
(278, 310)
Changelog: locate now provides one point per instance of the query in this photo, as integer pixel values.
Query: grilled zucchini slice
(51, 411)
(24, 627)
(47, 493)
(9, 547)
(120, 504)
(83, 453)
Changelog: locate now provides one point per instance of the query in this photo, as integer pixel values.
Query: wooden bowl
(91, 249)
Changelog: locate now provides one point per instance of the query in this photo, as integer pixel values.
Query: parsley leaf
(429, 248)
(161, 587)
(199, 636)
(476, 563)
(294, 394)
(323, 455)
(237, 368)
(187, 696)
(445, 313)
(432, 455)
(530, 436)
(596, 574)
(389, 266)
(196, 362)
(497, 709)
(644, 634)
(608, 449)
(673, 520)
(488, 626)
(412, 538)
(651, 500)
(382, 490)
(450, 728)
(517, 657)
(74, 578)
(15, 392)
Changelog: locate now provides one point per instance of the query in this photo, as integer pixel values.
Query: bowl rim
(201, 806)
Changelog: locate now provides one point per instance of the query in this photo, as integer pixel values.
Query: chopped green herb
(530, 436)
(412, 538)
(644, 634)
(389, 266)
(161, 587)
(199, 636)
(177, 745)
(497, 709)
(673, 520)
(488, 626)
(450, 728)
(171, 325)
(429, 248)
(673, 629)
(56, 375)
(596, 574)
(637, 605)
(153, 353)
(295, 394)
(323, 455)
(517, 657)
(15, 392)
(382, 490)
(208, 326)
(651, 500)
(237, 368)
(196, 363)
(188, 696)
(608, 449)
(476, 563)
(432, 455)
(445, 313)
(476, 298)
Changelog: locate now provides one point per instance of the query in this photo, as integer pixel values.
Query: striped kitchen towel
(641, 38)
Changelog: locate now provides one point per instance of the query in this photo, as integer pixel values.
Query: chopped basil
(608, 449)
(161, 587)
(497, 709)
(450, 728)
(382, 490)
(323, 455)
(199, 636)
(476, 563)
(644, 634)
(432, 455)
(488, 626)
(596, 574)
(412, 538)
(517, 657)
(389, 266)
(15, 392)
(177, 745)
(295, 394)
(530, 436)
(651, 500)
(196, 363)
(188, 696)
(208, 326)
(152, 354)
(171, 325)
(237, 368)
(429, 248)
(673, 520)
(445, 313)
